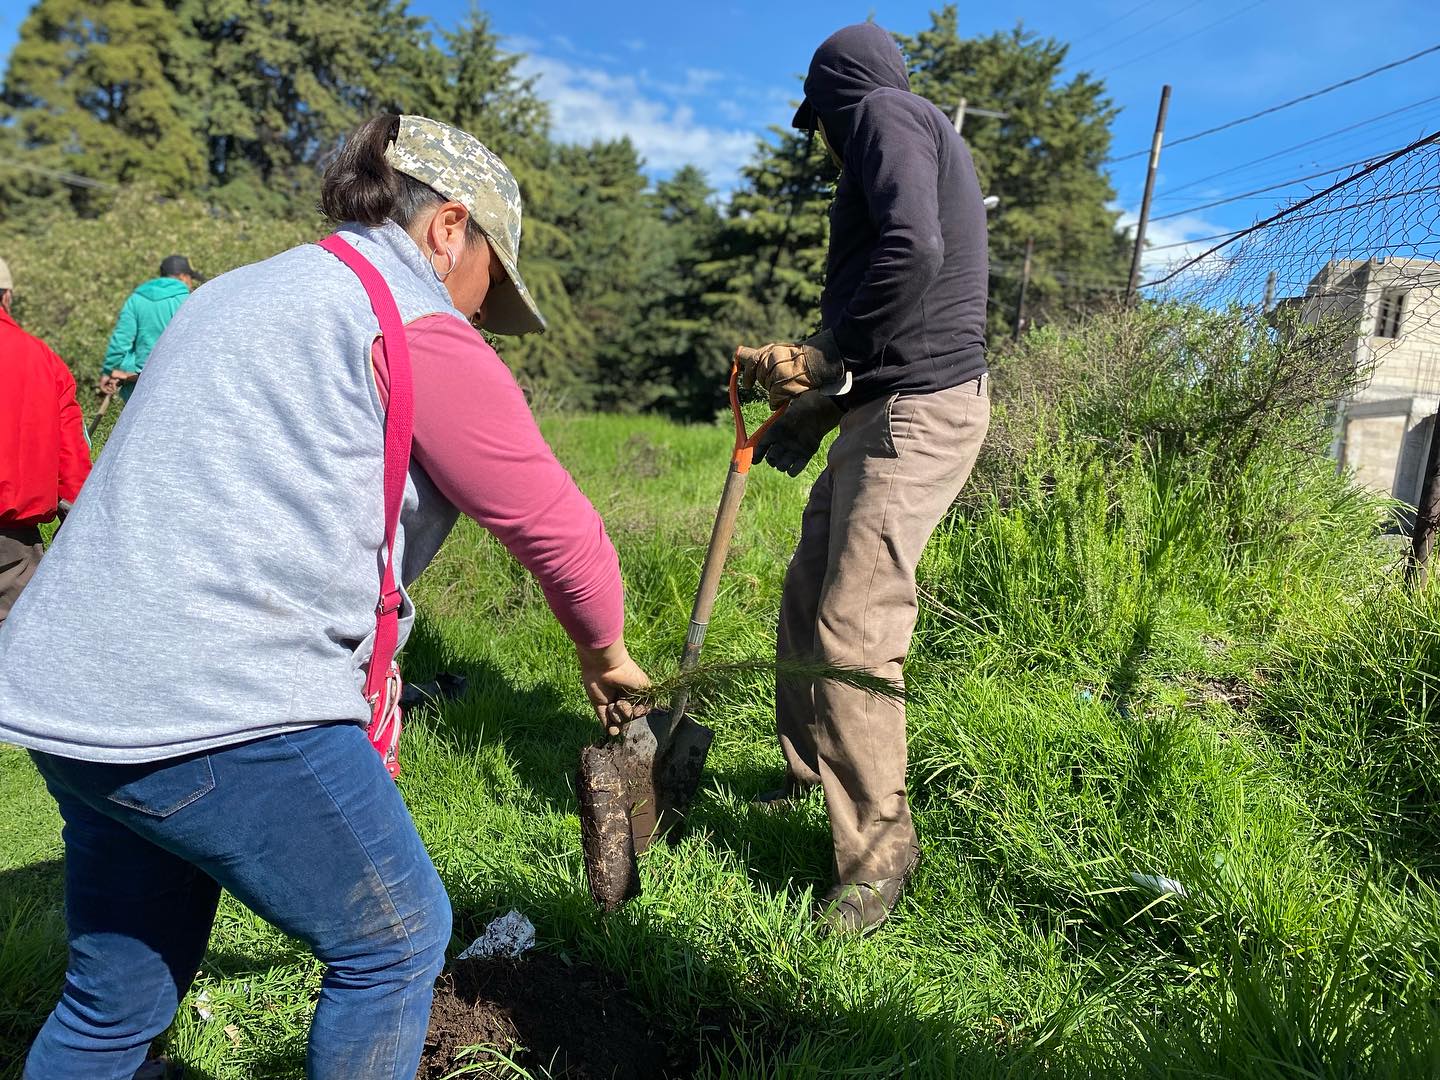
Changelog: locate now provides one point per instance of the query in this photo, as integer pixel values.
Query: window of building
(1392, 313)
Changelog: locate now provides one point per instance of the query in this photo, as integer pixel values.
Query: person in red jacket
(44, 455)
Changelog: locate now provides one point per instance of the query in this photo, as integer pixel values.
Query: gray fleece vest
(217, 579)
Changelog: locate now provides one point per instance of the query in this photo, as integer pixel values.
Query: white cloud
(1172, 243)
(588, 103)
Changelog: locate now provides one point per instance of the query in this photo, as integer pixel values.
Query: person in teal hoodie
(142, 320)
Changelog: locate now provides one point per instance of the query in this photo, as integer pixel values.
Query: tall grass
(1173, 755)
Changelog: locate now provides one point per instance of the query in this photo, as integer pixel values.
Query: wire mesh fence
(1350, 276)
(1362, 254)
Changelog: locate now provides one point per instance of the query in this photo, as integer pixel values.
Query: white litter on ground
(510, 935)
(1160, 886)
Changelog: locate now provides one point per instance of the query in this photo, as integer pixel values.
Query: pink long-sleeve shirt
(477, 440)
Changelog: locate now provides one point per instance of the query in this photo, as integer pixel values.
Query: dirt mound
(545, 1012)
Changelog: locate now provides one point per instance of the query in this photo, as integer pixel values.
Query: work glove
(793, 439)
(787, 370)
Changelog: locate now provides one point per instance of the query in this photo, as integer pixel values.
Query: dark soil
(610, 780)
(545, 1012)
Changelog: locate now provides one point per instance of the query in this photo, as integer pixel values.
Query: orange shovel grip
(745, 442)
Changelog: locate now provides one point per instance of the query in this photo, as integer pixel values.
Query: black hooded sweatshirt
(906, 274)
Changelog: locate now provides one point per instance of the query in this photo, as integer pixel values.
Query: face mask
(826, 140)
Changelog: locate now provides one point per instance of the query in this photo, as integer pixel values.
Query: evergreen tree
(677, 321)
(611, 270)
(280, 83)
(92, 89)
(480, 90)
(766, 269)
(1045, 160)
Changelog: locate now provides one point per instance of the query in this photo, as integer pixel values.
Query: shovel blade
(678, 774)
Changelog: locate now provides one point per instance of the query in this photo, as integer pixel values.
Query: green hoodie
(142, 320)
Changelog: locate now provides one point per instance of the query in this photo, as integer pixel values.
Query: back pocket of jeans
(162, 788)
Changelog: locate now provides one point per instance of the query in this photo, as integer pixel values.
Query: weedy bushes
(1178, 705)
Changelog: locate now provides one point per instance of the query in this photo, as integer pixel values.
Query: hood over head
(163, 288)
(848, 66)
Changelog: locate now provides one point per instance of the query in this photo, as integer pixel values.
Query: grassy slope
(1063, 736)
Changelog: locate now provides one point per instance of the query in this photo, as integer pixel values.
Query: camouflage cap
(460, 167)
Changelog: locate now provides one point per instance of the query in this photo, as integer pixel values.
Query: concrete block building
(1382, 434)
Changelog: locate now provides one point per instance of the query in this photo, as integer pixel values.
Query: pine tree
(1045, 160)
(280, 83)
(766, 268)
(611, 268)
(479, 89)
(677, 323)
(91, 89)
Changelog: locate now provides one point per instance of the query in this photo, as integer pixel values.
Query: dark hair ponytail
(361, 185)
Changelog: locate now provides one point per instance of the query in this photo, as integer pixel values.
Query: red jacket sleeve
(477, 440)
(74, 446)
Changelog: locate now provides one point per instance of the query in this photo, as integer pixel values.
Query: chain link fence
(1352, 270)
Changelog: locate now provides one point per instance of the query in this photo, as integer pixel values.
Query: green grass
(1121, 668)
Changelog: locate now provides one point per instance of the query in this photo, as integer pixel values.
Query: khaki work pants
(20, 551)
(893, 472)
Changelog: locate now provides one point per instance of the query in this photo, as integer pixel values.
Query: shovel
(639, 785)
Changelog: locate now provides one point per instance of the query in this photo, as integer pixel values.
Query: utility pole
(1149, 191)
(963, 110)
(1024, 286)
(1269, 300)
(1427, 512)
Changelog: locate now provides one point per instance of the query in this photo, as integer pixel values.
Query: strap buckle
(389, 602)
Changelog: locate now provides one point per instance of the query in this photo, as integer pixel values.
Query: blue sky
(700, 82)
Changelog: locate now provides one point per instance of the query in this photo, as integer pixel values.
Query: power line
(1286, 104)
(1263, 190)
(1183, 38)
(1300, 145)
(1235, 233)
(1196, 240)
(1145, 29)
(73, 179)
(1104, 28)
(1289, 210)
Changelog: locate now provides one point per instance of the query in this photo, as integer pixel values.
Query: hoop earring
(448, 270)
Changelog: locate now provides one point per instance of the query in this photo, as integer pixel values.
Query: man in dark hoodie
(900, 366)
(143, 318)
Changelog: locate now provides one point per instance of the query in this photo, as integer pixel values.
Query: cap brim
(509, 307)
(804, 117)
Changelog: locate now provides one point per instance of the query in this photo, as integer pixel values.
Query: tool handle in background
(99, 414)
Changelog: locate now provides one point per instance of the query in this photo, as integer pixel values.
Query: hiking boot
(861, 907)
(786, 797)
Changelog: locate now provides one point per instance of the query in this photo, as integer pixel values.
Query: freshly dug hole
(542, 1011)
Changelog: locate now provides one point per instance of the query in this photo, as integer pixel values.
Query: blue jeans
(307, 831)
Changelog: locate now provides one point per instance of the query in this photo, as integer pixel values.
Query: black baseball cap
(175, 265)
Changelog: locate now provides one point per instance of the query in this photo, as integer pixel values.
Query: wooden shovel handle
(721, 534)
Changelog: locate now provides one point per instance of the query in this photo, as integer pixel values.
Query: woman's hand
(610, 677)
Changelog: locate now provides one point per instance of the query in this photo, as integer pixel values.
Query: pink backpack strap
(399, 427)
